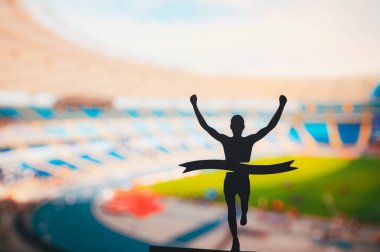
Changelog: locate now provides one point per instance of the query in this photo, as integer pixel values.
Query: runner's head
(237, 125)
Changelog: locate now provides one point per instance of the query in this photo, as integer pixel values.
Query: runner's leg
(244, 199)
(230, 193)
(230, 199)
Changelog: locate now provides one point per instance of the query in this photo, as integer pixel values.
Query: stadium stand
(375, 104)
(77, 136)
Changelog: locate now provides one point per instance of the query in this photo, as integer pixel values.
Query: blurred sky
(268, 37)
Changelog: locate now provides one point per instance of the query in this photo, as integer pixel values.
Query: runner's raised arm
(215, 134)
(272, 123)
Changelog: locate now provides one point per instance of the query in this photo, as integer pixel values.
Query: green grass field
(321, 186)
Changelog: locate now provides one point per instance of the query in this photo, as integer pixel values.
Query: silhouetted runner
(237, 149)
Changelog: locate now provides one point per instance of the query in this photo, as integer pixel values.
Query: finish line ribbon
(238, 167)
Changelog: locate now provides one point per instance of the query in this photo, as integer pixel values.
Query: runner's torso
(237, 149)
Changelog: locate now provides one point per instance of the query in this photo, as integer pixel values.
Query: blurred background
(95, 118)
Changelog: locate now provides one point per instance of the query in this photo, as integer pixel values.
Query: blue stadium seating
(322, 109)
(90, 158)
(185, 113)
(5, 149)
(318, 131)
(162, 149)
(293, 134)
(133, 113)
(59, 162)
(329, 108)
(375, 106)
(211, 113)
(349, 132)
(37, 172)
(376, 91)
(375, 133)
(337, 108)
(116, 154)
(358, 108)
(45, 113)
(159, 129)
(9, 113)
(92, 112)
(159, 113)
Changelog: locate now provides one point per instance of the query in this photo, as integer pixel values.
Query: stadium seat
(133, 113)
(162, 149)
(5, 149)
(329, 108)
(92, 112)
(376, 92)
(116, 154)
(293, 134)
(59, 162)
(90, 158)
(159, 113)
(337, 108)
(185, 113)
(318, 131)
(375, 133)
(358, 108)
(211, 113)
(349, 132)
(9, 113)
(37, 172)
(45, 113)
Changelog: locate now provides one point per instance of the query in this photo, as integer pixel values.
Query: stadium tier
(65, 140)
